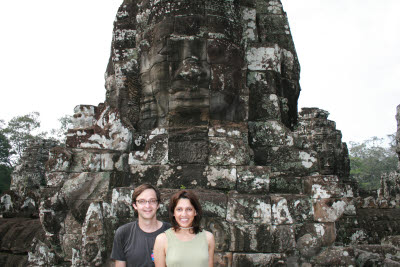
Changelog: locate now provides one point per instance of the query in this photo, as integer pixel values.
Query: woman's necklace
(185, 228)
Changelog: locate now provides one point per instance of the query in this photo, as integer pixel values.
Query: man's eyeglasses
(143, 202)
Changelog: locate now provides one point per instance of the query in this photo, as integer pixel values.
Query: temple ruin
(201, 95)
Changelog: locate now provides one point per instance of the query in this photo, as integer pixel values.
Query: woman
(185, 244)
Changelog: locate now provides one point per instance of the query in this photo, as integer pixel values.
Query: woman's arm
(160, 249)
(120, 263)
(211, 247)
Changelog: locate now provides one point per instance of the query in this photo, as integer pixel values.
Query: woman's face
(184, 213)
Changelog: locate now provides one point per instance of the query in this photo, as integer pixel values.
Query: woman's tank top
(193, 253)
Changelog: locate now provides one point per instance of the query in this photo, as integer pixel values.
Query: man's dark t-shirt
(134, 246)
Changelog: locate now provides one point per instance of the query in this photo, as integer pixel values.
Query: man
(133, 242)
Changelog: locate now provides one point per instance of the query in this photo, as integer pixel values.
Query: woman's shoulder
(210, 238)
(162, 238)
(208, 234)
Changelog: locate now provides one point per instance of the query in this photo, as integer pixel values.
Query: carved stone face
(190, 73)
(179, 85)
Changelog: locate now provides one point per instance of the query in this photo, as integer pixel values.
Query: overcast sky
(54, 54)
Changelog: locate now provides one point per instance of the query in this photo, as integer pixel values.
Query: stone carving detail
(203, 94)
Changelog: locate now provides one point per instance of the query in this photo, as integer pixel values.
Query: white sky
(53, 55)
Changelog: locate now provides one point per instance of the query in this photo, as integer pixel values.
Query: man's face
(147, 209)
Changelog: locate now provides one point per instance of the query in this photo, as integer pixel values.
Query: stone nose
(190, 70)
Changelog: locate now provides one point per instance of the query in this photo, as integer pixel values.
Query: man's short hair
(138, 190)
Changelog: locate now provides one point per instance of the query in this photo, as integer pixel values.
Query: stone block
(266, 106)
(327, 186)
(324, 232)
(56, 179)
(71, 225)
(70, 242)
(289, 209)
(277, 24)
(262, 58)
(248, 209)
(262, 238)
(258, 259)
(221, 177)
(93, 233)
(228, 151)
(40, 255)
(9, 259)
(366, 258)
(181, 24)
(335, 256)
(269, 7)
(107, 161)
(329, 209)
(220, 27)
(253, 179)
(166, 176)
(83, 188)
(221, 231)
(308, 246)
(220, 51)
(269, 133)
(121, 203)
(108, 133)
(280, 211)
(214, 203)
(228, 130)
(155, 151)
(121, 163)
(370, 226)
(223, 259)
(262, 83)
(283, 238)
(249, 24)
(287, 159)
(188, 147)
(243, 237)
(17, 234)
(59, 160)
(85, 161)
(83, 117)
(282, 183)
(391, 241)
(153, 174)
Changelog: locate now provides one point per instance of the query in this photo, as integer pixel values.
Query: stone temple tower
(201, 95)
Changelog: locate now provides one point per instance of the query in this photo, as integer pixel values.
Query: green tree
(20, 131)
(5, 165)
(5, 177)
(370, 159)
(5, 149)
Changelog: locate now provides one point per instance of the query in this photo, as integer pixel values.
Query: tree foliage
(21, 131)
(5, 177)
(5, 164)
(370, 159)
(15, 137)
(5, 150)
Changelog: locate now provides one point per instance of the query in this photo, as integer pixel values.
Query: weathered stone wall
(203, 94)
(19, 207)
(376, 220)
